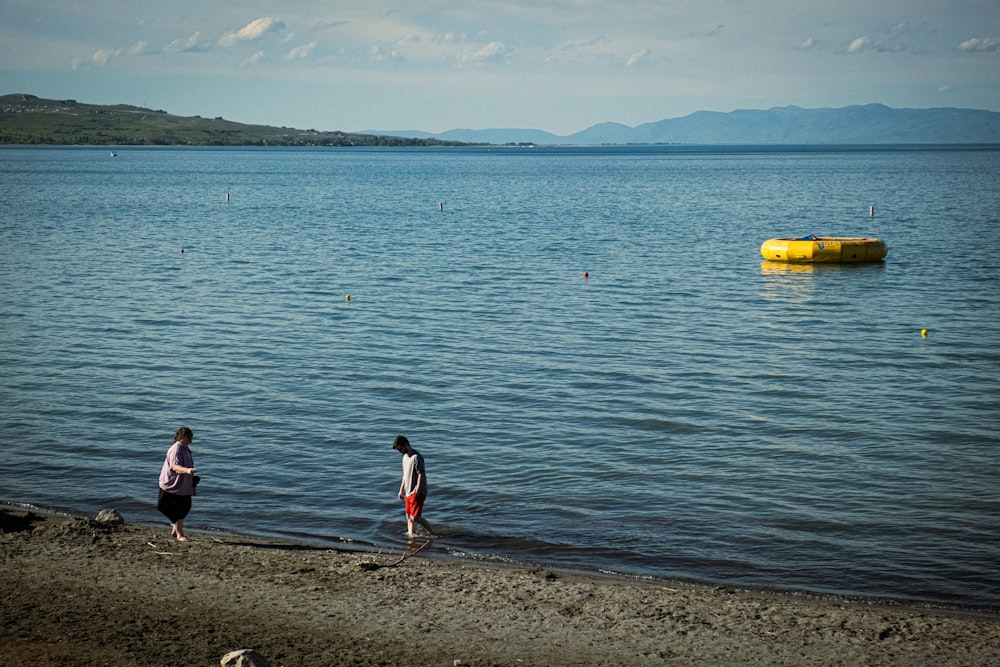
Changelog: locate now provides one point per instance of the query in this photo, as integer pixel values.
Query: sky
(555, 65)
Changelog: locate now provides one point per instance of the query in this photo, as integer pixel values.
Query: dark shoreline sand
(76, 592)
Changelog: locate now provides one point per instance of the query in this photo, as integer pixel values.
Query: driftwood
(373, 564)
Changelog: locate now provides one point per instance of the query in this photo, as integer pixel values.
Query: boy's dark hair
(400, 443)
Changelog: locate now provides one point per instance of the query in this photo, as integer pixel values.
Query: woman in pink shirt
(177, 482)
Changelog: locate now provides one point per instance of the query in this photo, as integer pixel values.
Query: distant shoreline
(669, 148)
(30, 120)
(27, 119)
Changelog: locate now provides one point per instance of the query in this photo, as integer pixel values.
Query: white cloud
(638, 57)
(302, 52)
(407, 39)
(890, 41)
(382, 55)
(192, 43)
(256, 59)
(102, 57)
(980, 44)
(600, 40)
(493, 52)
(251, 31)
(449, 38)
(859, 45)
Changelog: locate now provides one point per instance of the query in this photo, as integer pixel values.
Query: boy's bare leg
(423, 522)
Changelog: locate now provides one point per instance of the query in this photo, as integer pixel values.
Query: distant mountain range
(790, 125)
(27, 119)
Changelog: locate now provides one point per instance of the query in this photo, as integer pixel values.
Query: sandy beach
(77, 592)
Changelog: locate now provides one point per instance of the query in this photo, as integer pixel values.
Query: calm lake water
(686, 410)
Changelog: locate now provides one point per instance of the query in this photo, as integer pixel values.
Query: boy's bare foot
(181, 538)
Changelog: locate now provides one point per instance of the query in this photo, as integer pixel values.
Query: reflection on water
(772, 268)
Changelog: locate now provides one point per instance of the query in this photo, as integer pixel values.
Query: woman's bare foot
(177, 530)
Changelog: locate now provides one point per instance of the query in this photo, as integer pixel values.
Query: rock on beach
(246, 657)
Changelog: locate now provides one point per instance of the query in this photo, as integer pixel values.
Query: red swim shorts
(415, 504)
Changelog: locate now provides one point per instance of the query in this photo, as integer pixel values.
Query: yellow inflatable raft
(823, 250)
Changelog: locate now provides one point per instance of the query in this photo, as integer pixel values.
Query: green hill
(26, 119)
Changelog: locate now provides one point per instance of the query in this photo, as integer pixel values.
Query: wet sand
(76, 592)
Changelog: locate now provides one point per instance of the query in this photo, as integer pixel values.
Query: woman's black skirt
(172, 506)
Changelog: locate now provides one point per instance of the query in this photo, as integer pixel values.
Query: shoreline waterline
(350, 545)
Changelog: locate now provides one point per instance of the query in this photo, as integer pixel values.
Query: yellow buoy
(923, 332)
(347, 298)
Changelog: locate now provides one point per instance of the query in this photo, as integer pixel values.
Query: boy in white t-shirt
(413, 488)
